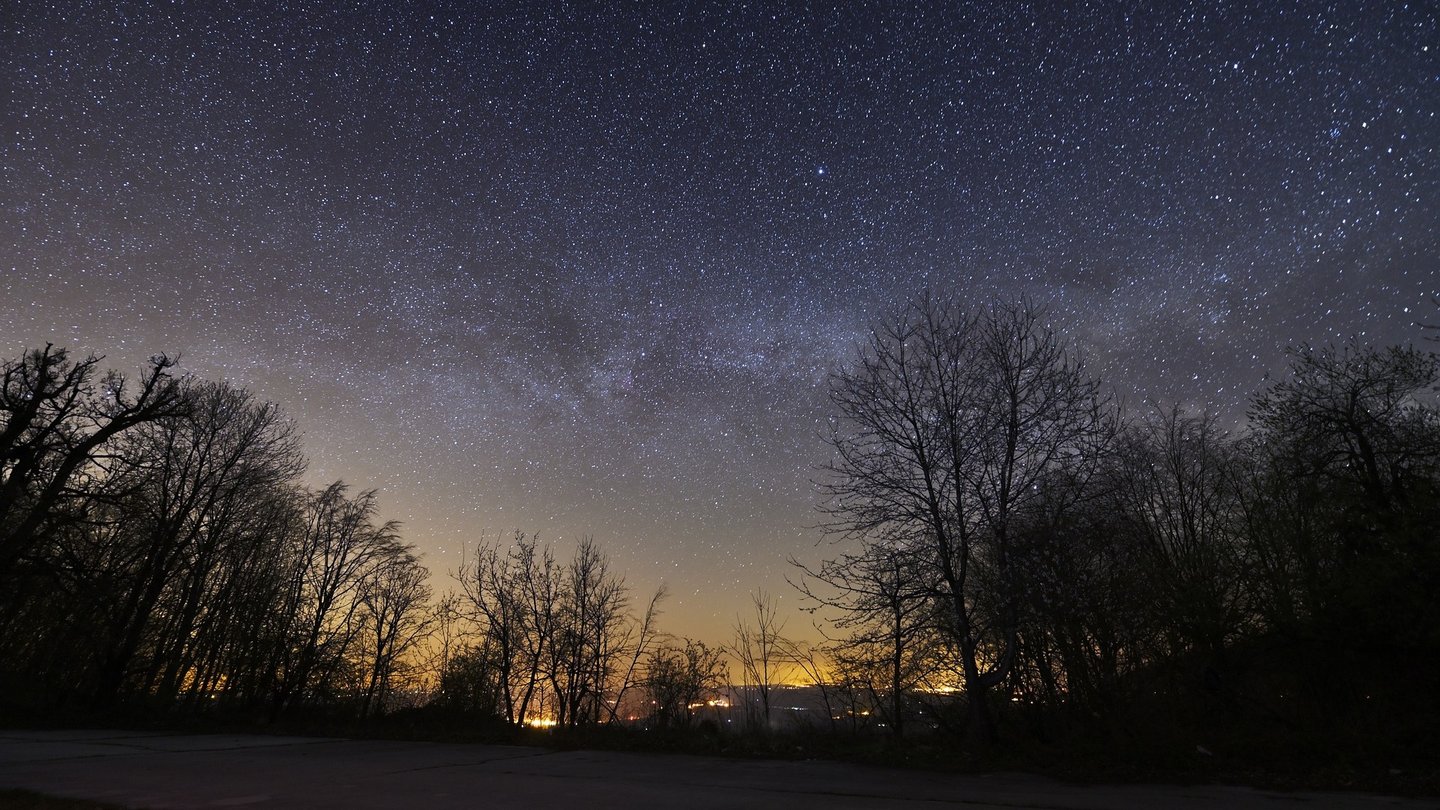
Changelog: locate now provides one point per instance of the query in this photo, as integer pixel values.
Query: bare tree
(197, 479)
(758, 647)
(681, 677)
(155, 546)
(640, 641)
(341, 544)
(588, 641)
(1175, 492)
(884, 603)
(948, 423)
(54, 423)
(1089, 613)
(1359, 415)
(488, 583)
(447, 618)
(558, 635)
(1341, 496)
(537, 586)
(818, 666)
(394, 599)
(515, 594)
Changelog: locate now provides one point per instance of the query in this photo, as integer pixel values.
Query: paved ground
(164, 771)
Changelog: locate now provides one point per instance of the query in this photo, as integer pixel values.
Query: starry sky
(583, 268)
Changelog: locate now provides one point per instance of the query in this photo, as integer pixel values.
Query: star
(586, 273)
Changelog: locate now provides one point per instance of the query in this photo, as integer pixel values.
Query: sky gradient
(584, 269)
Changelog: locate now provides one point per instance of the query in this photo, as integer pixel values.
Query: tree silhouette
(948, 424)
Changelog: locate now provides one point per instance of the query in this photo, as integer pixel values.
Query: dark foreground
(156, 770)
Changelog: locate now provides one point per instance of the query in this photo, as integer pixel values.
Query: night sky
(585, 269)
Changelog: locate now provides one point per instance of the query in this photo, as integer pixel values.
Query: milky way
(584, 270)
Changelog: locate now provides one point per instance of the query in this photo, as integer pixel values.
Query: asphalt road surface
(147, 770)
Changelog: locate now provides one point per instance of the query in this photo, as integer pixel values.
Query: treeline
(548, 642)
(159, 553)
(157, 549)
(1018, 556)
(1075, 569)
